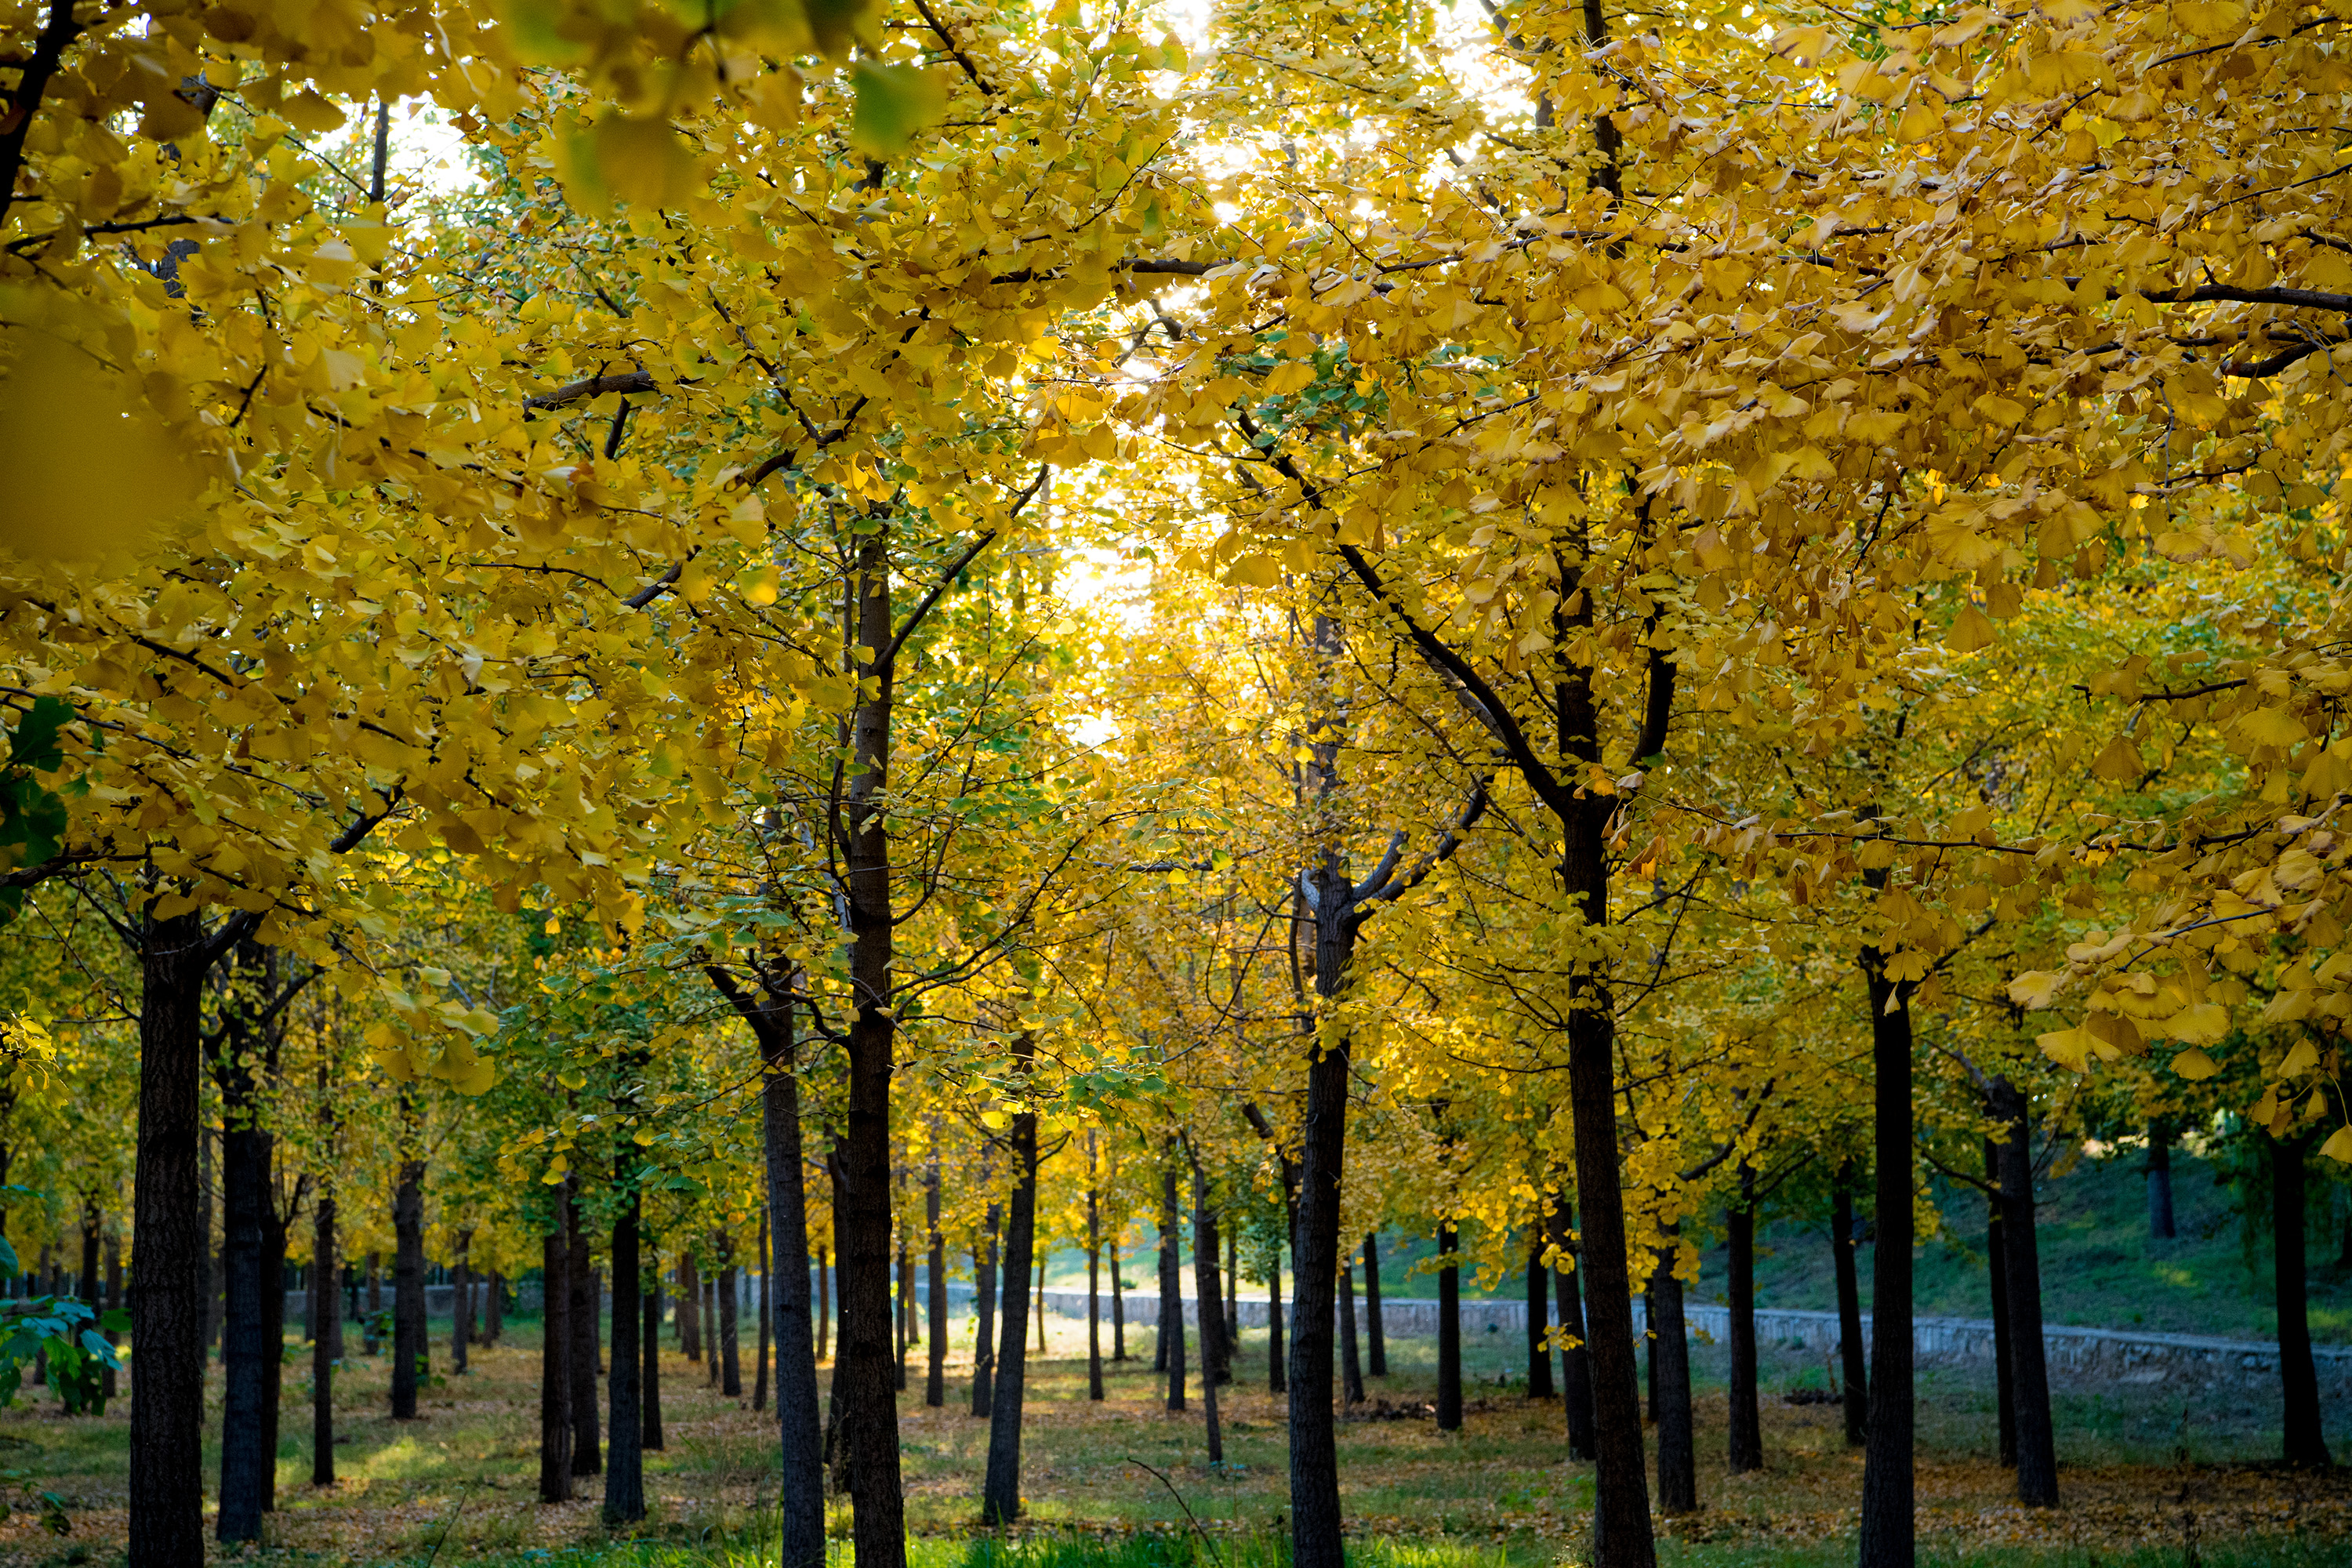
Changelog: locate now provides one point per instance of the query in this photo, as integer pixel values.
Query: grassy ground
(459, 1485)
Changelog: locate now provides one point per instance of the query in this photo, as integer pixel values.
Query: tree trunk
(248, 1359)
(1000, 1497)
(461, 1326)
(1351, 1365)
(2037, 1455)
(1118, 1308)
(729, 1332)
(493, 1309)
(902, 1315)
(2161, 1225)
(1746, 1441)
(1231, 1323)
(2004, 1359)
(690, 1308)
(1276, 1363)
(369, 1335)
(935, 1381)
(580, 1279)
(273, 1342)
(825, 1304)
(1842, 1242)
(1376, 1339)
(1575, 1355)
(1316, 1538)
(1171, 1292)
(1041, 1305)
(407, 1287)
(555, 1358)
(326, 1344)
(625, 1476)
(2306, 1439)
(1204, 1283)
(767, 1319)
(1449, 1330)
(1094, 1272)
(1538, 1328)
(1670, 1352)
(1888, 1530)
(984, 1343)
(171, 1220)
(649, 1420)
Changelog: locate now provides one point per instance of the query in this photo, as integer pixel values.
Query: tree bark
(326, 1344)
(461, 1326)
(1171, 1291)
(1376, 1339)
(2004, 1361)
(171, 1218)
(690, 1308)
(730, 1330)
(799, 1329)
(984, 1343)
(247, 1360)
(1539, 1384)
(555, 1358)
(493, 1309)
(2037, 1455)
(649, 1414)
(1575, 1355)
(2161, 1225)
(2305, 1441)
(861, 1166)
(1842, 1242)
(370, 1337)
(767, 1320)
(1449, 1330)
(1204, 1283)
(275, 1226)
(625, 1476)
(1117, 1309)
(1000, 1497)
(580, 1279)
(1277, 1320)
(1670, 1352)
(824, 1304)
(935, 1381)
(1745, 1445)
(1094, 1272)
(1888, 1529)
(1351, 1365)
(407, 1283)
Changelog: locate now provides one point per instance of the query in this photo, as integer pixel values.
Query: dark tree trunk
(1842, 1241)
(1449, 1330)
(1231, 1323)
(824, 1313)
(407, 1287)
(625, 1475)
(273, 1343)
(1171, 1292)
(1118, 1308)
(326, 1344)
(1670, 1353)
(861, 1164)
(649, 1420)
(1093, 1274)
(369, 1335)
(247, 1456)
(555, 1358)
(1277, 1320)
(1000, 1497)
(767, 1319)
(1575, 1356)
(2161, 1225)
(2004, 1361)
(1746, 1441)
(1316, 1531)
(461, 1326)
(1376, 1339)
(1538, 1326)
(171, 1218)
(2306, 1439)
(580, 1278)
(1351, 1365)
(2037, 1453)
(1040, 1305)
(730, 1330)
(1888, 1529)
(984, 1343)
(113, 1287)
(689, 1310)
(902, 1315)
(494, 1310)
(1204, 1283)
(935, 1380)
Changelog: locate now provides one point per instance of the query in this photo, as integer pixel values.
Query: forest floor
(2146, 1471)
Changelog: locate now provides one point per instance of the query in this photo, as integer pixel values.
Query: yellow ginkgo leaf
(2202, 1024)
(2034, 989)
(2119, 762)
(2194, 1065)
(1970, 630)
(90, 470)
(2300, 1060)
(2271, 727)
(2338, 1145)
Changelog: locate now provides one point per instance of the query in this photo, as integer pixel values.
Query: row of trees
(1576, 602)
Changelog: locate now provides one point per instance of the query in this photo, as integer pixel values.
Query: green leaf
(893, 103)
